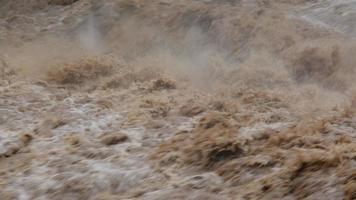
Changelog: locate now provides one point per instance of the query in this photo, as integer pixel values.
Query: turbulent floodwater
(167, 99)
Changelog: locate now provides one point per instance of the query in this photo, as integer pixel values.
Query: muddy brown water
(177, 99)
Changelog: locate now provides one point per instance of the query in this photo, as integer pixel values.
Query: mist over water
(90, 37)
